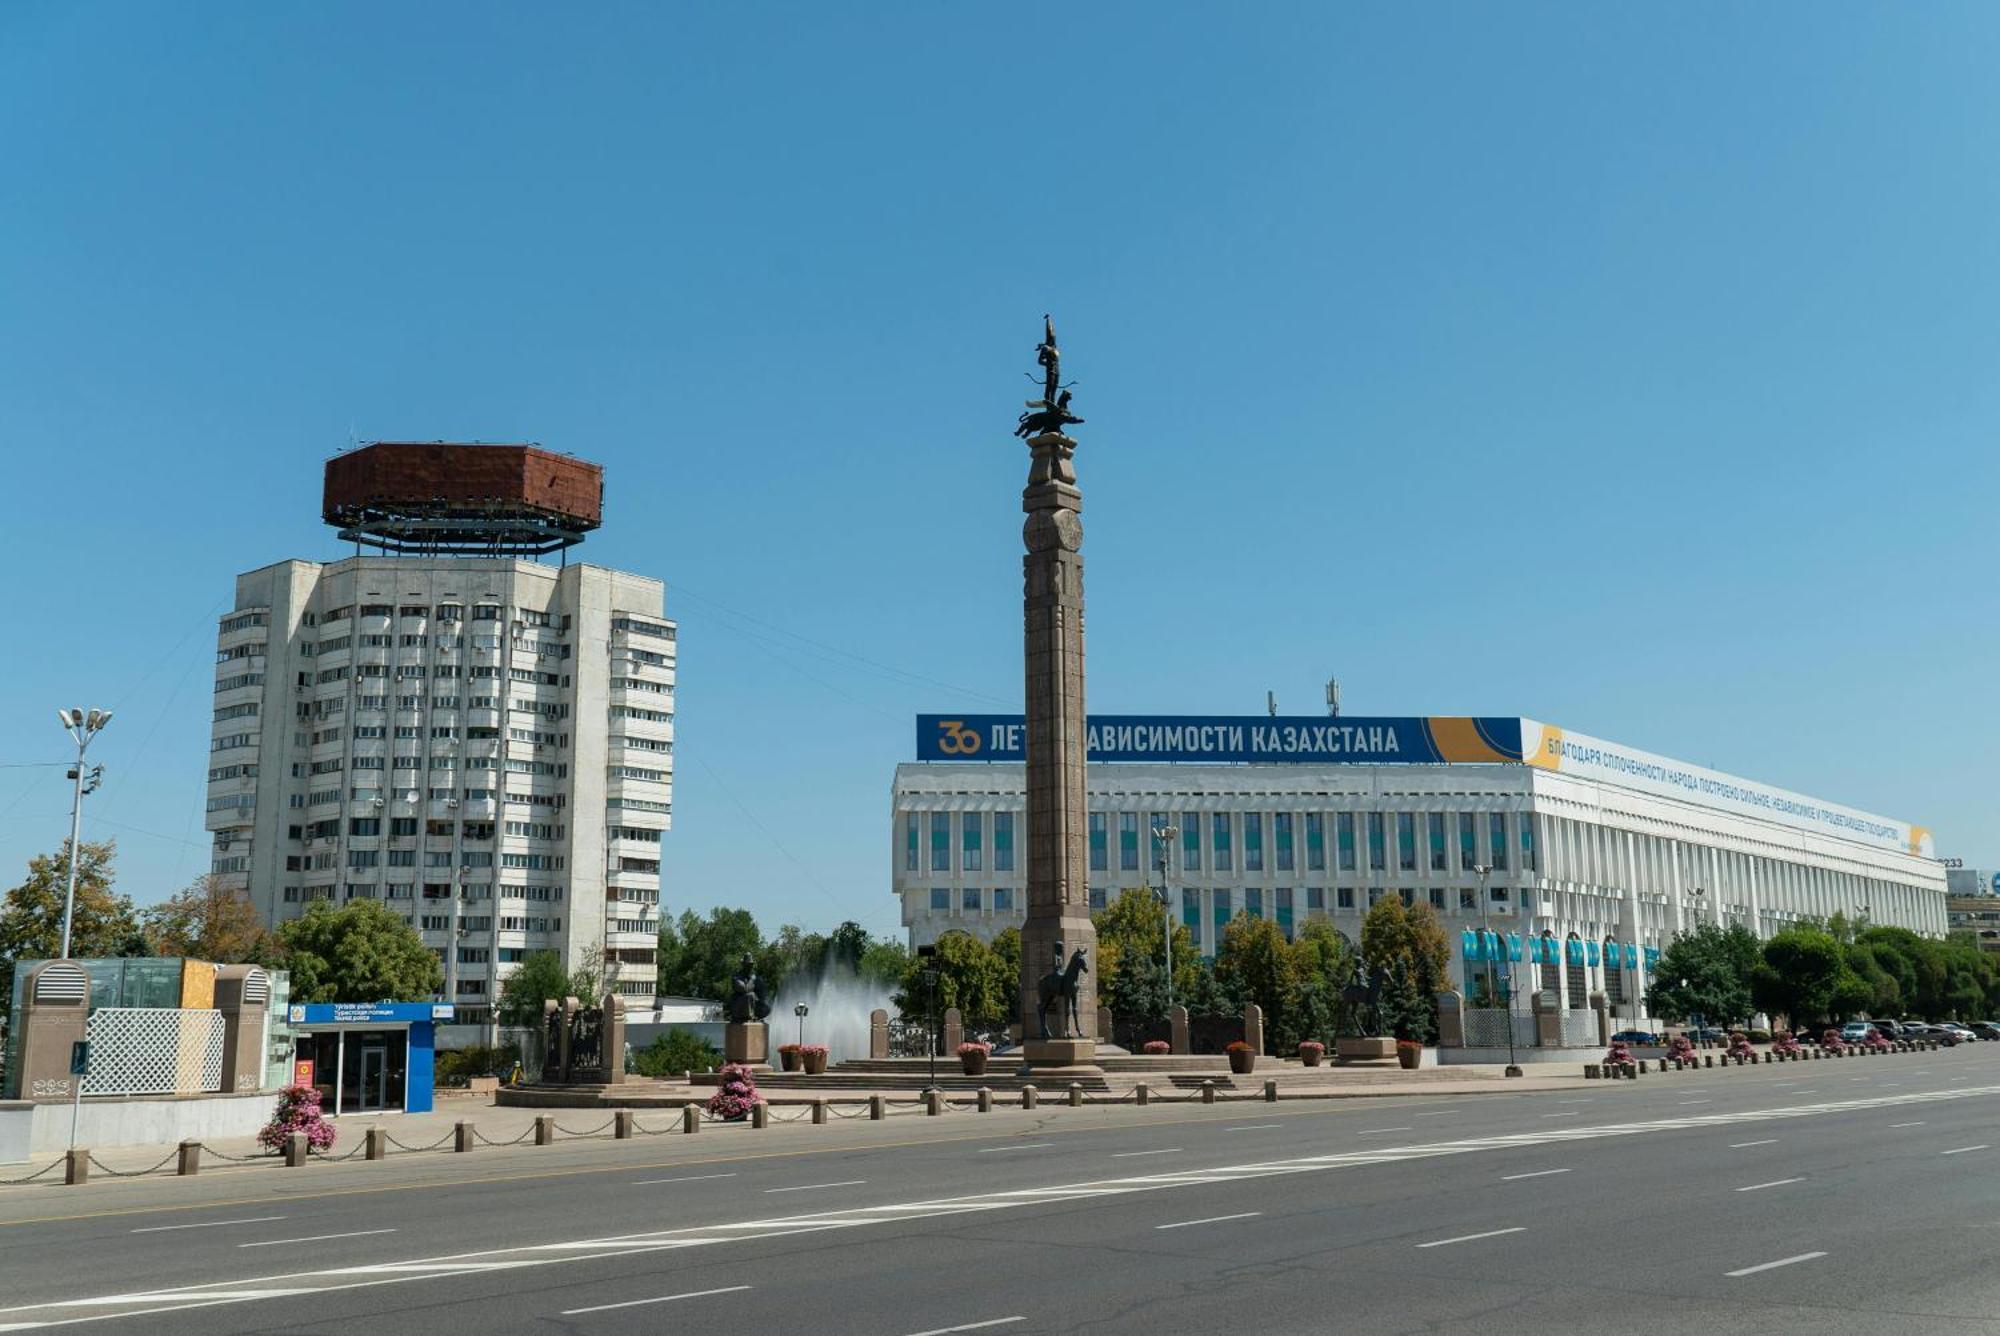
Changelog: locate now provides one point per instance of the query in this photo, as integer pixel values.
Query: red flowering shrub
(736, 1096)
(973, 1048)
(1618, 1055)
(1156, 1047)
(298, 1111)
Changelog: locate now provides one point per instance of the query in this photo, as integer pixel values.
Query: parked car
(1636, 1037)
(1855, 1031)
(1964, 1035)
(1985, 1029)
(1709, 1034)
(1891, 1029)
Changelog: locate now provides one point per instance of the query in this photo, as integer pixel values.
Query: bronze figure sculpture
(1050, 413)
(1059, 987)
(746, 995)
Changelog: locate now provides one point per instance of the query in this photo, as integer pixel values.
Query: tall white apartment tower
(479, 739)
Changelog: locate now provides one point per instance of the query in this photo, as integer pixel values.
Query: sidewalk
(655, 1109)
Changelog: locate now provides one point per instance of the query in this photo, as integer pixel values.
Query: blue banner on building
(1293, 740)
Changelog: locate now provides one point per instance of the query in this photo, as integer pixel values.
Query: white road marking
(1467, 1238)
(1025, 1145)
(690, 1178)
(325, 1280)
(1439, 1114)
(315, 1238)
(1576, 1101)
(1577, 1113)
(1378, 1131)
(1805, 1092)
(210, 1224)
(1894, 1126)
(1539, 1173)
(1251, 1127)
(1210, 1220)
(1782, 1261)
(815, 1187)
(1962, 1149)
(1774, 1183)
(970, 1326)
(663, 1299)
(1135, 1154)
(1686, 1102)
(1739, 1145)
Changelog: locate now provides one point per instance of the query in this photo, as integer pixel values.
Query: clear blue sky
(1634, 374)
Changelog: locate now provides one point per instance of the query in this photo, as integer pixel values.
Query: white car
(1965, 1036)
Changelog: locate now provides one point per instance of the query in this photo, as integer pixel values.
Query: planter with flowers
(1682, 1050)
(1618, 1057)
(1409, 1054)
(1786, 1044)
(1739, 1047)
(298, 1111)
(1242, 1058)
(1877, 1040)
(972, 1057)
(788, 1057)
(736, 1096)
(813, 1056)
(1311, 1051)
(1156, 1048)
(1830, 1041)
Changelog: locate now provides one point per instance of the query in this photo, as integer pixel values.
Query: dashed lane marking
(662, 1299)
(1468, 1238)
(1769, 1266)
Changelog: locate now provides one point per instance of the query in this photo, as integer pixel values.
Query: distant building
(1595, 854)
(479, 740)
(1972, 881)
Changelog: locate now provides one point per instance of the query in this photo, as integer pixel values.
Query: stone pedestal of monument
(747, 1044)
(1052, 1059)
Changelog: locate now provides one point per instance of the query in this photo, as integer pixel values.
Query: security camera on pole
(82, 725)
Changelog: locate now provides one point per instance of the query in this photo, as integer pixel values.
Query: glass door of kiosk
(374, 1092)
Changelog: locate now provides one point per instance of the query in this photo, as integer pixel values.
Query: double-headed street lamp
(82, 725)
(1492, 942)
(1163, 842)
(800, 1011)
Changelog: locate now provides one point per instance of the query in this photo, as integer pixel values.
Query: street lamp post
(1163, 841)
(800, 1011)
(928, 955)
(82, 725)
(1485, 870)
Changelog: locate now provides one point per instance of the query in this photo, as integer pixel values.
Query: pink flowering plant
(1311, 1046)
(1876, 1039)
(1618, 1055)
(298, 1111)
(1831, 1041)
(1786, 1042)
(736, 1096)
(972, 1048)
(1682, 1047)
(1156, 1047)
(1739, 1045)
(812, 1050)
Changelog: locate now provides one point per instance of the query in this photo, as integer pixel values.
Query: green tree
(1702, 972)
(1804, 977)
(1390, 931)
(1326, 964)
(31, 916)
(971, 976)
(1407, 1011)
(209, 921)
(699, 956)
(361, 952)
(1131, 956)
(1255, 961)
(541, 976)
(885, 960)
(1007, 947)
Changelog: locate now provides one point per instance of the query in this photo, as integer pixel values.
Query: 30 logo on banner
(956, 738)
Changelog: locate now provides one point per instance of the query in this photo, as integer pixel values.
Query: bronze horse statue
(1060, 985)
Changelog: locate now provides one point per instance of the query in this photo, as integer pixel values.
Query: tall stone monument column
(1058, 942)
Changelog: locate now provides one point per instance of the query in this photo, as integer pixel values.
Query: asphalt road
(1831, 1197)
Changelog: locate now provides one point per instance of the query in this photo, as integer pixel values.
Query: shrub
(672, 1053)
(459, 1065)
(736, 1096)
(1156, 1047)
(298, 1111)
(1760, 1036)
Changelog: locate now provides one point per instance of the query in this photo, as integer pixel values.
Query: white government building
(482, 743)
(1593, 854)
